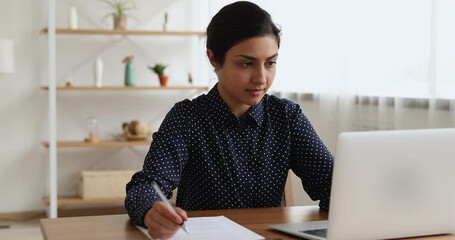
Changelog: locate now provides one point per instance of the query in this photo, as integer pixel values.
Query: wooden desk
(115, 227)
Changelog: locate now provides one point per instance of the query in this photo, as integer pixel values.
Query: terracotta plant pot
(163, 80)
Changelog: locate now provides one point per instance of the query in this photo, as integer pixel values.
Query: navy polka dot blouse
(218, 161)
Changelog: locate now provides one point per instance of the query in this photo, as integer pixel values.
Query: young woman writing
(234, 146)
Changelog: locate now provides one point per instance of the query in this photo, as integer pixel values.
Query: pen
(161, 194)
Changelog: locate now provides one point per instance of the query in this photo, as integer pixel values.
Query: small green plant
(119, 9)
(158, 69)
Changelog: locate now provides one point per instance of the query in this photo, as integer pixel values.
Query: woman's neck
(238, 109)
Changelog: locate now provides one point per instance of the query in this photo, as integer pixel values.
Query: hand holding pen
(163, 220)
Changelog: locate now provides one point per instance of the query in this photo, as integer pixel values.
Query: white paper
(219, 228)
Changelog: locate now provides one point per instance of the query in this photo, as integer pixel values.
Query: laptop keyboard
(317, 232)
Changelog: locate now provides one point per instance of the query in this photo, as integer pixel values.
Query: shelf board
(124, 32)
(101, 144)
(78, 201)
(123, 88)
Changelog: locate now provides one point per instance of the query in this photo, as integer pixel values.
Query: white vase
(72, 19)
(98, 71)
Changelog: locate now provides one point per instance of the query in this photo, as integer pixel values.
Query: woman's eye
(270, 64)
(247, 64)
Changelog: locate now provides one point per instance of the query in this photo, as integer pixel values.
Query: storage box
(103, 183)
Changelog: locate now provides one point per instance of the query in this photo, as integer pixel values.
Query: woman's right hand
(162, 222)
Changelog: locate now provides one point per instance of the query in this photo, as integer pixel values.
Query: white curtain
(368, 64)
(389, 48)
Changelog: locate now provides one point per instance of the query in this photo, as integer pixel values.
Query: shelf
(123, 88)
(125, 32)
(101, 144)
(78, 201)
(56, 55)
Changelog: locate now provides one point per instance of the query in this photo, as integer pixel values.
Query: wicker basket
(103, 183)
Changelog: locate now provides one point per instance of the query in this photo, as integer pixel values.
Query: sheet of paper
(219, 228)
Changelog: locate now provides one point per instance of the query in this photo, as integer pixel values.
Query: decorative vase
(120, 23)
(129, 75)
(98, 72)
(165, 23)
(190, 79)
(163, 80)
(72, 19)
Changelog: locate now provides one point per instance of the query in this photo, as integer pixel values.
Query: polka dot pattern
(219, 162)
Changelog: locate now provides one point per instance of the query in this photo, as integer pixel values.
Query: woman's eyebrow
(273, 56)
(254, 58)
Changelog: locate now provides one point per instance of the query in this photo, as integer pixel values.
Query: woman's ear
(212, 59)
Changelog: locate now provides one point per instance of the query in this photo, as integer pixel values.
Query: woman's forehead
(258, 47)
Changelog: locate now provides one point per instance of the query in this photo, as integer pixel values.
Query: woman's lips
(255, 92)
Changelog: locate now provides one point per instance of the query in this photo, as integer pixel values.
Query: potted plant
(159, 70)
(119, 12)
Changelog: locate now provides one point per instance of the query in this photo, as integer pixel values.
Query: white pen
(161, 194)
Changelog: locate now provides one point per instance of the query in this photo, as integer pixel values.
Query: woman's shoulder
(283, 104)
(195, 101)
(184, 113)
(190, 106)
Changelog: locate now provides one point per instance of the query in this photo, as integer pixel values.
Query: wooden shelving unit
(101, 144)
(54, 200)
(123, 88)
(124, 32)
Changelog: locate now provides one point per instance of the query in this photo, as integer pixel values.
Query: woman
(233, 147)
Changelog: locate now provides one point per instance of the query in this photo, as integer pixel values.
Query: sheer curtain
(357, 65)
(368, 65)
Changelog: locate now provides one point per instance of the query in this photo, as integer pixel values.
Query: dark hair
(237, 22)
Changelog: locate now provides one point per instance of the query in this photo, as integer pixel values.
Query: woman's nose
(260, 75)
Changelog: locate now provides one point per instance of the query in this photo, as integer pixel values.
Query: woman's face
(247, 73)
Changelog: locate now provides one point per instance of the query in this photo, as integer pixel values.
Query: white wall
(22, 110)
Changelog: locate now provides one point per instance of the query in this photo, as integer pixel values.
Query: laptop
(388, 184)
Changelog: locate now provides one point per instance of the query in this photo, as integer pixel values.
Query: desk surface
(118, 227)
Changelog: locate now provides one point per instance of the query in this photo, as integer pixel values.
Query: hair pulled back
(237, 22)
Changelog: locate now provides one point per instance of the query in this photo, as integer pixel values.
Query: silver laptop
(388, 184)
